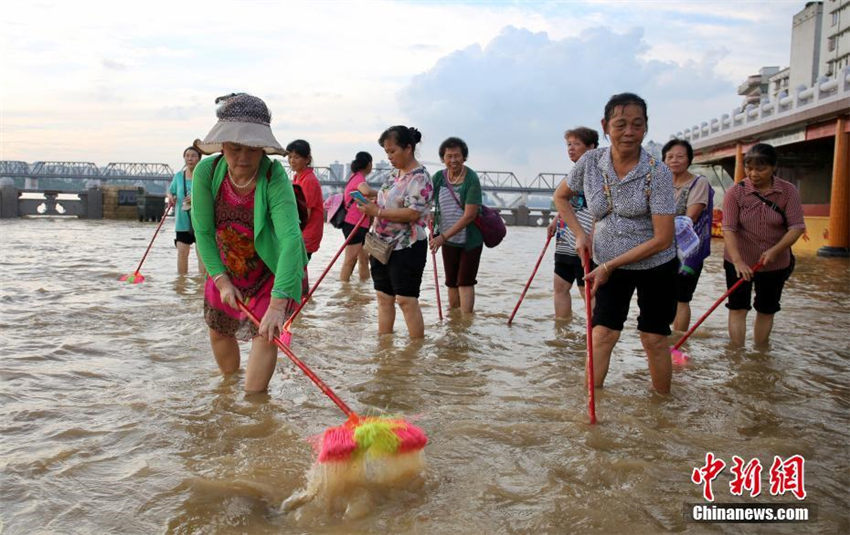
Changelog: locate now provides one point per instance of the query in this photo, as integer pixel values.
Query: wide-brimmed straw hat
(242, 119)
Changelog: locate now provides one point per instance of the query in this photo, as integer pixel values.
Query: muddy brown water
(115, 418)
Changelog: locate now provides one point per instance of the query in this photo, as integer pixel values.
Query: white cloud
(100, 81)
(512, 99)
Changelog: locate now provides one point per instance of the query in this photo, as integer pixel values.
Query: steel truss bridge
(503, 186)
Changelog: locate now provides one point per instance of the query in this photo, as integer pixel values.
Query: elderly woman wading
(631, 198)
(457, 192)
(246, 225)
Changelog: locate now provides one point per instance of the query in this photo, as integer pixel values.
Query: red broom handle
(307, 371)
(325, 272)
(531, 278)
(161, 221)
(436, 277)
(588, 314)
(734, 287)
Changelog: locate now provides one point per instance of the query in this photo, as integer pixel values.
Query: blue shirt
(181, 216)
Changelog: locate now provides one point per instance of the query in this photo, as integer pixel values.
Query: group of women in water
(256, 230)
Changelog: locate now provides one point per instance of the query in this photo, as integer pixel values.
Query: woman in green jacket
(457, 191)
(246, 225)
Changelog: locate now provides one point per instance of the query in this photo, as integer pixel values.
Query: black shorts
(656, 298)
(359, 235)
(184, 237)
(768, 285)
(461, 265)
(402, 275)
(686, 284)
(569, 268)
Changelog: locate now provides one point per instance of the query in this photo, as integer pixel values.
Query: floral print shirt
(411, 190)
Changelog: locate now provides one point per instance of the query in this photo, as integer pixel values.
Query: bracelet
(605, 266)
(220, 275)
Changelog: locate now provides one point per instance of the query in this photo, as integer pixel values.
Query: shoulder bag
(776, 208)
(488, 220)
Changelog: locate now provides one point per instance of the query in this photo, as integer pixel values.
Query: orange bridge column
(839, 203)
(739, 162)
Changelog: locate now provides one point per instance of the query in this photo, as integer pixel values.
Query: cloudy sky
(108, 82)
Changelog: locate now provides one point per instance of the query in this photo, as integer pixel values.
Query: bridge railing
(504, 186)
(823, 91)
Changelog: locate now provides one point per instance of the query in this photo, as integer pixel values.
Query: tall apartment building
(835, 37)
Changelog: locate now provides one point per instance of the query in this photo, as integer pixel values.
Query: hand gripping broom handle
(591, 397)
(531, 278)
(734, 287)
(307, 371)
(325, 272)
(161, 221)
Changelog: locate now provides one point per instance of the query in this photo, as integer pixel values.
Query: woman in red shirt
(300, 162)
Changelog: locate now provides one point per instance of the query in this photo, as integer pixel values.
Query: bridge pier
(8, 199)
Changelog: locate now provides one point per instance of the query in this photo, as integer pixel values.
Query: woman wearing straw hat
(246, 225)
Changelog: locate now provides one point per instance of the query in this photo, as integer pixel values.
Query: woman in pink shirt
(301, 161)
(762, 218)
(361, 166)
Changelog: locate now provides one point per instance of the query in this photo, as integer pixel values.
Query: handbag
(377, 248)
(488, 221)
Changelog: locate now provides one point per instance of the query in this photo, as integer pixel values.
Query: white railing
(822, 92)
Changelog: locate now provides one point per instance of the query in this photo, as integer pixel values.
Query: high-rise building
(835, 37)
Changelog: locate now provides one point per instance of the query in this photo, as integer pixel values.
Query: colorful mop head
(372, 451)
(133, 278)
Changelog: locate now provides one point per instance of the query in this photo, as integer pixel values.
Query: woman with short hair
(457, 196)
(762, 219)
(694, 199)
(568, 266)
(631, 198)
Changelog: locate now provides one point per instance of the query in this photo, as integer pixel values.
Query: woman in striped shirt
(568, 268)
